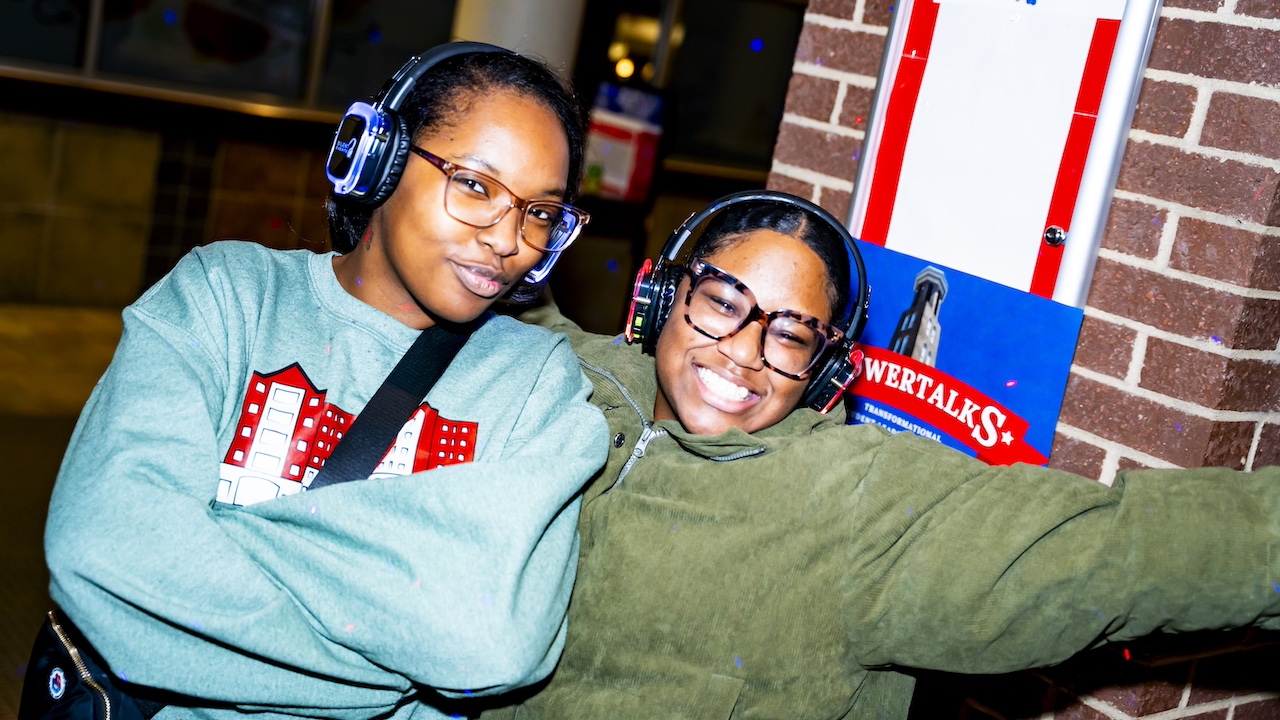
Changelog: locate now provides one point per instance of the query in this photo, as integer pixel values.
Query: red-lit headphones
(654, 295)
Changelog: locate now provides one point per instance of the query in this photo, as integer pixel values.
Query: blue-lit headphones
(654, 295)
(372, 142)
(371, 145)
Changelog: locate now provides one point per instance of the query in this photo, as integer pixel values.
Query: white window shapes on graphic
(406, 445)
(263, 477)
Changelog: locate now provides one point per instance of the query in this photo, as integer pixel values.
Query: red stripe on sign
(897, 121)
(1066, 188)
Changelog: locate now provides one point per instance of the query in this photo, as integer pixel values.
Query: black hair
(732, 225)
(441, 96)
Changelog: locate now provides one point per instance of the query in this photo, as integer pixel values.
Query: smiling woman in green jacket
(744, 556)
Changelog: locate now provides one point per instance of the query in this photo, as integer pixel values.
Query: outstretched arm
(969, 568)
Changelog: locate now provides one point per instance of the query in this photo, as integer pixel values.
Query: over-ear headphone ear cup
(397, 154)
(665, 285)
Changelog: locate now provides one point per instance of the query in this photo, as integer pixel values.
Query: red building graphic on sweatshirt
(287, 429)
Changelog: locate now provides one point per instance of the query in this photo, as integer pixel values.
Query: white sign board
(996, 135)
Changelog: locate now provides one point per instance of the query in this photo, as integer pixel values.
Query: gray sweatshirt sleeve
(138, 562)
(335, 603)
(458, 577)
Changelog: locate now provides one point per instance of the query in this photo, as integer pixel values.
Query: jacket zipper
(80, 666)
(637, 452)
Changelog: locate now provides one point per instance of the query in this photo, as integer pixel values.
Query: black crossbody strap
(374, 429)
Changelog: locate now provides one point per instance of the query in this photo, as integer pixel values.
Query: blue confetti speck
(737, 661)
(170, 17)
(1031, 2)
(1276, 586)
(673, 527)
(1178, 426)
(757, 45)
(612, 265)
(124, 677)
(314, 509)
(1216, 339)
(911, 512)
(359, 281)
(617, 340)
(375, 36)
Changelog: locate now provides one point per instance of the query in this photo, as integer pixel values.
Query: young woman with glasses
(182, 540)
(743, 557)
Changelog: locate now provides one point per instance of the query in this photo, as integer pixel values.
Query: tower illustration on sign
(918, 331)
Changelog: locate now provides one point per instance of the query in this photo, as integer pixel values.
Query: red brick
(1227, 253)
(1076, 456)
(1207, 5)
(1258, 8)
(1126, 464)
(1244, 124)
(835, 202)
(1172, 305)
(1164, 108)
(1210, 715)
(842, 9)
(856, 109)
(1261, 710)
(878, 12)
(1105, 347)
(811, 97)
(782, 183)
(1268, 452)
(1259, 325)
(1153, 428)
(1134, 228)
(1212, 50)
(838, 49)
(1251, 386)
(824, 152)
(1223, 186)
(1183, 372)
(1141, 699)
(1136, 423)
(1229, 445)
(1211, 380)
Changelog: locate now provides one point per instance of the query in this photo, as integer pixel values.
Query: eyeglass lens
(480, 201)
(718, 309)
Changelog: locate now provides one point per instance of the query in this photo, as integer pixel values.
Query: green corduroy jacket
(787, 573)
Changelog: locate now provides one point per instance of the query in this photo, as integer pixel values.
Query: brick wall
(1177, 363)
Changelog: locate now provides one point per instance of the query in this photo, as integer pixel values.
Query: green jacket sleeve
(963, 567)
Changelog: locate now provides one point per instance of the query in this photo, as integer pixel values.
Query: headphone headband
(371, 143)
(398, 86)
(655, 289)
